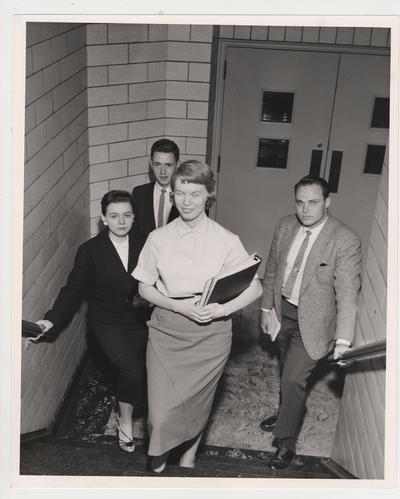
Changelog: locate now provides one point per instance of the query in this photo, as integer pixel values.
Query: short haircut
(115, 197)
(165, 145)
(311, 180)
(196, 172)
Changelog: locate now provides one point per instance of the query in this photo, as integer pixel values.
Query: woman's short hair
(196, 172)
(115, 197)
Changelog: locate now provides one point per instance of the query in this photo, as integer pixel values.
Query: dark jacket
(98, 276)
(144, 212)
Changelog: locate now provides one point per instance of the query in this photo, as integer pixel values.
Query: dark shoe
(282, 459)
(158, 463)
(269, 423)
(149, 469)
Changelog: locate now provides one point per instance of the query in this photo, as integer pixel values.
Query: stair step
(102, 457)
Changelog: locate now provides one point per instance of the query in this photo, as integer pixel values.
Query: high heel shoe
(126, 446)
(160, 469)
(158, 463)
(191, 465)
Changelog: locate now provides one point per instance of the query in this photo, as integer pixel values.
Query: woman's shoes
(158, 463)
(127, 445)
(186, 465)
(160, 469)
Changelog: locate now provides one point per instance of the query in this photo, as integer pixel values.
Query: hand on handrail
(45, 325)
(337, 353)
(372, 350)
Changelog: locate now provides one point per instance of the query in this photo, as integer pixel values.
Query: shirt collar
(158, 188)
(119, 242)
(314, 230)
(200, 228)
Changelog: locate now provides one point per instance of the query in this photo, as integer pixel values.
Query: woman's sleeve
(236, 253)
(72, 294)
(146, 270)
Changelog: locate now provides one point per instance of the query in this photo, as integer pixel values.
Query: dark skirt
(125, 351)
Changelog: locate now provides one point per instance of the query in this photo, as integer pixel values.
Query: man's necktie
(288, 288)
(160, 218)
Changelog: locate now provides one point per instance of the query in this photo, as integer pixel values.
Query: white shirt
(292, 257)
(167, 201)
(122, 247)
(180, 260)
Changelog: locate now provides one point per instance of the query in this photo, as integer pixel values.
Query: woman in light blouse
(188, 344)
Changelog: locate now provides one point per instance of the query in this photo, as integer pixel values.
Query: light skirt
(185, 361)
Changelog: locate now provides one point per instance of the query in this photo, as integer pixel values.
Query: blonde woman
(188, 344)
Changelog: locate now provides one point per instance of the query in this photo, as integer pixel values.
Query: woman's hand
(215, 310)
(190, 308)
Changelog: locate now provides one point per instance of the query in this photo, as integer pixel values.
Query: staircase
(80, 446)
(71, 457)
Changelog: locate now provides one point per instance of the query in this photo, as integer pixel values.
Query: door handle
(334, 170)
(315, 163)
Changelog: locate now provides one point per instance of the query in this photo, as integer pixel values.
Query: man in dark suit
(312, 280)
(152, 203)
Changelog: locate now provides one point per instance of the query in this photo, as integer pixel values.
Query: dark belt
(185, 297)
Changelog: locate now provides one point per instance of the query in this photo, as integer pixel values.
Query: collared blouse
(179, 259)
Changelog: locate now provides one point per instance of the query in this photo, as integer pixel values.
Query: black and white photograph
(206, 248)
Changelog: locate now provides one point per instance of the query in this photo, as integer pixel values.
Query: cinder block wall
(363, 37)
(140, 83)
(360, 434)
(56, 206)
(150, 81)
(144, 82)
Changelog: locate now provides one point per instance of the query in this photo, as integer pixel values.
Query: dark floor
(54, 457)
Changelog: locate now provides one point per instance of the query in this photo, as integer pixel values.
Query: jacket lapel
(109, 247)
(151, 220)
(286, 243)
(317, 252)
(133, 253)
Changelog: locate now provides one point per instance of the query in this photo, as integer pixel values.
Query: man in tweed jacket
(318, 312)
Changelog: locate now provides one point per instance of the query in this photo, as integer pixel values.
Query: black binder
(231, 283)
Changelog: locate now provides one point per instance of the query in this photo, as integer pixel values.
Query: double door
(288, 113)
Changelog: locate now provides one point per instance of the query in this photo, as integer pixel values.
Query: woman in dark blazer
(102, 275)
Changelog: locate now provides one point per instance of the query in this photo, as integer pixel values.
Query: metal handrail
(369, 351)
(31, 329)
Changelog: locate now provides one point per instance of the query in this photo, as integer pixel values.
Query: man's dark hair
(311, 180)
(115, 197)
(165, 145)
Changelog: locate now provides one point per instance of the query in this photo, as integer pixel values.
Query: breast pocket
(325, 273)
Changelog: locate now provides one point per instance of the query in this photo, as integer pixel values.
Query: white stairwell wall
(56, 207)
